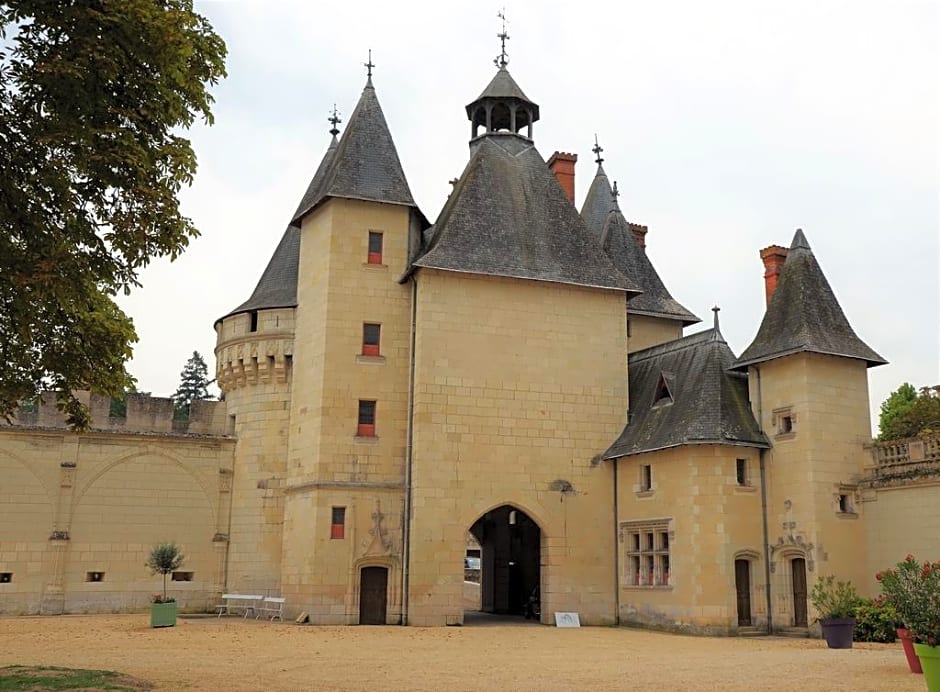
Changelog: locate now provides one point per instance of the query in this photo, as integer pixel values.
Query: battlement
(144, 414)
(254, 348)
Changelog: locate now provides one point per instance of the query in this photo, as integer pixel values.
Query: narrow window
(375, 247)
(366, 426)
(845, 506)
(649, 541)
(338, 523)
(629, 329)
(181, 576)
(370, 339)
(634, 576)
(650, 571)
(786, 424)
(646, 477)
(664, 540)
(6, 577)
(664, 570)
(94, 576)
(741, 471)
(253, 317)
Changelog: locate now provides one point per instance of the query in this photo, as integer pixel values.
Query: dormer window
(663, 395)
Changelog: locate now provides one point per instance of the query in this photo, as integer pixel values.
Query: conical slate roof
(603, 217)
(625, 252)
(365, 164)
(502, 86)
(507, 216)
(706, 403)
(804, 316)
(598, 202)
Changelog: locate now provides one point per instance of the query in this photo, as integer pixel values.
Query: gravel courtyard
(235, 654)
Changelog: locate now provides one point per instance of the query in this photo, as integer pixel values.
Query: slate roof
(277, 287)
(507, 216)
(501, 87)
(603, 217)
(804, 316)
(365, 164)
(598, 202)
(709, 402)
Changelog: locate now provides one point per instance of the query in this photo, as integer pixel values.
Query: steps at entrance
(751, 632)
(795, 632)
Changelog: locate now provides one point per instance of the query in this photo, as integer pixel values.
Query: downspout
(763, 505)
(616, 550)
(409, 454)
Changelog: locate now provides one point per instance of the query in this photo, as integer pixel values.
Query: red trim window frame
(371, 338)
(375, 247)
(366, 423)
(338, 523)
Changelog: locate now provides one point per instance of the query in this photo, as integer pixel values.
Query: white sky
(726, 124)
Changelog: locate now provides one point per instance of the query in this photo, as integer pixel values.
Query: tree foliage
(163, 559)
(194, 386)
(907, 413)
(93, 97)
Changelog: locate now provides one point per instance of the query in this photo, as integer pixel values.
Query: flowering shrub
(913, 588)
(875, 621)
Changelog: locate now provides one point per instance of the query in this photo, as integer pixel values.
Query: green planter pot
(930, 661)
(162, 614)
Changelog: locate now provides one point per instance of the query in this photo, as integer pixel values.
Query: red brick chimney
(773, 257)
(562, 165)
(639, 232)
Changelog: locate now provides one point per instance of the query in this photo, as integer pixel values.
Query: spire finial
(502, 59)
(335, 120)
(369, 65)
(716, 310)
(597, 149)
(615, 191)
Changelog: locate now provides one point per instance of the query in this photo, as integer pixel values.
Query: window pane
(370, 334)
(375, 242)
(339, 515)
(367, 413)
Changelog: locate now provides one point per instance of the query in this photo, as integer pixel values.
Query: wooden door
(742, 584)
(798, 565)
(373, 595)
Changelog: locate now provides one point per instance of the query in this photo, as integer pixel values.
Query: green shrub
(834, 599)
(875, 621)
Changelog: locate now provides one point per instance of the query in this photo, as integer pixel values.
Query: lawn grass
(53, 678)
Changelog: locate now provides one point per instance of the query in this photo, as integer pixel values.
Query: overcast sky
(727, 125)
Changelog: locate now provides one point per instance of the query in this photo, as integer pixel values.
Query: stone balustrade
(903, 461)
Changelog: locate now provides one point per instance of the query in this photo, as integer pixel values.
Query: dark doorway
(798, 565)
(510, 547)
(742, 584)
(373, 595)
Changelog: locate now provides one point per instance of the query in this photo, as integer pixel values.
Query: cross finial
(369, 65)
(597, 149)
(716, 310)
(335, 120)
(502, 59)
(615, 191)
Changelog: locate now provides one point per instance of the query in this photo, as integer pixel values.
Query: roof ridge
(675, 345)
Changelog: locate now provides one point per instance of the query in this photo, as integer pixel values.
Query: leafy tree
(93, 98)
(165, 558)
(194, 386)
(899, 401)
(920, 417)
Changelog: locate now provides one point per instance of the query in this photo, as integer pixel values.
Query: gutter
(763, 505)
(409, 459)
(616, 551)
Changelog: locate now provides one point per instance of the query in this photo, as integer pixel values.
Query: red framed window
(366, 427)
(375, 247)
(371, 334)
(338, 523)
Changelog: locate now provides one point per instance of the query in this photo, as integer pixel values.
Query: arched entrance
(742, 587)
(510, 555)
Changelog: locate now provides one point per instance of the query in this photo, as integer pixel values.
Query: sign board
(567, 620)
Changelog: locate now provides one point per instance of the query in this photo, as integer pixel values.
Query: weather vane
(335, 120)
(369, 65)
(597, 150)
(502, 59)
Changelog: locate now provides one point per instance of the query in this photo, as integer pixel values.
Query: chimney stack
(639, 232)
(773, 257)
(562, 166)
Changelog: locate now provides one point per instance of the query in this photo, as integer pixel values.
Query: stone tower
(346, 443)
(808, 385)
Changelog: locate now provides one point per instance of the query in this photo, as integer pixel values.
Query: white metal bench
(235, 602)
(271, 607)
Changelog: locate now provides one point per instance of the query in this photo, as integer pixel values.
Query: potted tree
(917, 599)
(835, 603)
(898, 585)
(164, 558)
